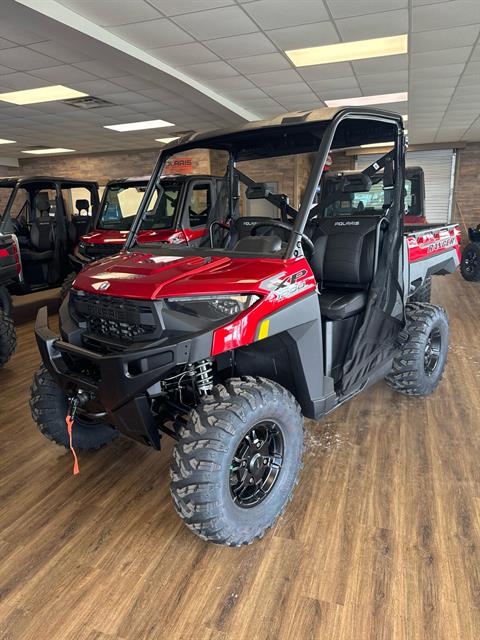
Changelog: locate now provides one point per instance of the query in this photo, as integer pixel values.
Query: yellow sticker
(264, 327)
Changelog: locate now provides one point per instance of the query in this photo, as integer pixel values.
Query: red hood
(102, 236)
(145, 276)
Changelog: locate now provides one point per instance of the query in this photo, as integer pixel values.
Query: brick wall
(466, 202)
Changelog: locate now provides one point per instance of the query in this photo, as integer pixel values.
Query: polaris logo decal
(101, 286)
(347, 223)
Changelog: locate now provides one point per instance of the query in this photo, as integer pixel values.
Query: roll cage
(317, 132)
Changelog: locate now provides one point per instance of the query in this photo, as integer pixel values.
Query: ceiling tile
(178, 7)
(272, 78)
(11, 31)
(135, 83)
(113, 12)
(326, 84)
(96, 87)
(183, 54)
(247, 94)
(208, 70)
(441, 39)
(100, 69)
(216, 23)
(347, 8)
(275, 14)
(322, 71)
(445, 71)
(226, 84)
(381, 65)
(439, 58)
(261, 63)
(238, 46)
(448, 14)
(24, 59)
(375, 25)
(279, 91)
(305, 35)
(60, 52)
(63, 74)
(148, 35)
(20, 81)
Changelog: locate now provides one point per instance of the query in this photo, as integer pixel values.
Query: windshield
(369, 203)
(5, 194)
(121, 203)
(262, 178)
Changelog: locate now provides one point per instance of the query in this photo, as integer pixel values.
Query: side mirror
(355, 183)
(257, 191)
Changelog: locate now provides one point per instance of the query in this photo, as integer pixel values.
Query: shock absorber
(203, 376)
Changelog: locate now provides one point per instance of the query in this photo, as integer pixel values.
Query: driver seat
(41, 233)
(343, 262)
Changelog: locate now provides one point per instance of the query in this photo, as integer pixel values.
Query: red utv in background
(180, 216)
(10, 272)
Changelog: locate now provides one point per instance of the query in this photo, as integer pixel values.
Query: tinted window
(199, 206)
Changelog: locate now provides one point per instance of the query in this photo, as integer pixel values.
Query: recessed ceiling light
(166, 140)
(40, 152)
(383, 98)
(4, 141)
(138, 126)
(344, 51)
(43, 94)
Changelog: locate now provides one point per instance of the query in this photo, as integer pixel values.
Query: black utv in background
(9, 273)
(470, 264)
(47, 216)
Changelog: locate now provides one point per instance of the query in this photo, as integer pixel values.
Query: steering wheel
(282, 225)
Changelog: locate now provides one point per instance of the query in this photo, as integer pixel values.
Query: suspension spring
(203, 376)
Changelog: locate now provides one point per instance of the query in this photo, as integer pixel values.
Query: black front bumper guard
(120, 380)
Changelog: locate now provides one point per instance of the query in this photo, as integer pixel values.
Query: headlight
(212, 307)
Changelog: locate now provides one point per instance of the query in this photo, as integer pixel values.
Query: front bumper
(119, 382)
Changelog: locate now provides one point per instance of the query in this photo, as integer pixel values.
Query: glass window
(161, 211)
(120, 205)
(200, 204)
(72, 196)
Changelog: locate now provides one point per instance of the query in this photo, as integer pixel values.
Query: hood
(147, 277)
(102, 236)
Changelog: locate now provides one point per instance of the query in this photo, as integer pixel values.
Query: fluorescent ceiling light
(383, 98)
(139, 126)
(43, 94)
(344, 51)
(376, 144)
(405, 117)
(4, 141)
(166, 140)
(40, 152)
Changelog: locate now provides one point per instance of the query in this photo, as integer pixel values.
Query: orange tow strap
(69, 421)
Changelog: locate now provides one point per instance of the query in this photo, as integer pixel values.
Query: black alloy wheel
(256, 464)
(433, 349)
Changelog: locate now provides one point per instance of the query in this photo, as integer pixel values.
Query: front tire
(67, 285)
(419, 365)
(49, 409)
(8, 338)
(470, 264)
(237, 461)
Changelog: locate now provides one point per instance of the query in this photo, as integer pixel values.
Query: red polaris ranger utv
(226, 347)
(9, 273)
(181, 215)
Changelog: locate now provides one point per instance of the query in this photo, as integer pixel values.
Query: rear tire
(237, 461)
(419, 365)
(424, 291)
(49, 409)
(67, 285)
(8, 338)
(6, 301)
(470, 264)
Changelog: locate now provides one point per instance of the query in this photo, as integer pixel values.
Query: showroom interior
(239, 300)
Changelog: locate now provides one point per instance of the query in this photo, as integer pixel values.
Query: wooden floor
(381, 541)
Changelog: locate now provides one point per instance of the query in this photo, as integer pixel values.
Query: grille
(101, 250)
(116, 319)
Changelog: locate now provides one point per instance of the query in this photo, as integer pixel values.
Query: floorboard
(381, 541)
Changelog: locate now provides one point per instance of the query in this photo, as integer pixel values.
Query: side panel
(432, 252)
